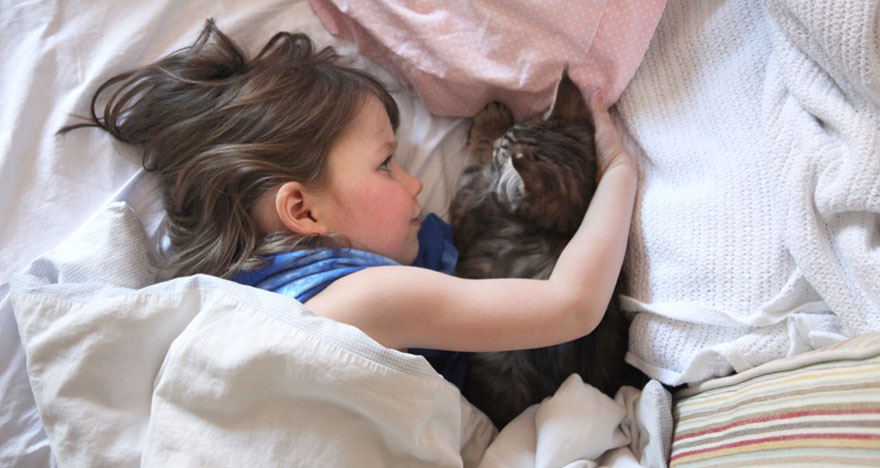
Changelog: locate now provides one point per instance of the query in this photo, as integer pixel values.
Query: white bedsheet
(56, 53)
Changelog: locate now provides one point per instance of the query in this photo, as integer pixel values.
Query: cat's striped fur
(522, 196)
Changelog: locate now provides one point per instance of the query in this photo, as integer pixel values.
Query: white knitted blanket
(757, 227)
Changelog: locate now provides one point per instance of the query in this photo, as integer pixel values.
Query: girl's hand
(610, 151)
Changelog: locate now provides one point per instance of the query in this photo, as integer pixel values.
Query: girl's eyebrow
(388, 147)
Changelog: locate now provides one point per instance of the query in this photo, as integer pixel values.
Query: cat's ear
(569, 103)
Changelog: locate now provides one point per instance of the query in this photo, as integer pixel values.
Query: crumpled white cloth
(755, 232)
(201, 371)
(579, 426)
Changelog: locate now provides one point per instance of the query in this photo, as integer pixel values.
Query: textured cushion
(820, 408)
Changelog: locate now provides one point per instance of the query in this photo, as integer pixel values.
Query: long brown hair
(221, 130)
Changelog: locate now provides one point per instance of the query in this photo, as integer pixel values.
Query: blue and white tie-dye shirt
(302, 274)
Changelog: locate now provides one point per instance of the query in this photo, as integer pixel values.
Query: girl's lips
(415, 222)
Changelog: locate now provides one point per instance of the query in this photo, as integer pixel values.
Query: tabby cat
(522, 196)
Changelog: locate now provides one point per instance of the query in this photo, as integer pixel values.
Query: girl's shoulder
(381, 298)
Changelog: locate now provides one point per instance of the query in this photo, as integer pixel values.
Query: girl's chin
(412, 256)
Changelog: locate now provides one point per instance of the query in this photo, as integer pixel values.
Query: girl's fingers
(606, 134)
(609, 146)
(601, 119)
(597, 108)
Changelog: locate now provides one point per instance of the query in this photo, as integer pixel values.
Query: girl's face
(370, 199)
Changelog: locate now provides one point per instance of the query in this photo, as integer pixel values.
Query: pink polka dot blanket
(459, 55)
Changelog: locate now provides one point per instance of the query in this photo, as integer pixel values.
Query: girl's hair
(221, 130)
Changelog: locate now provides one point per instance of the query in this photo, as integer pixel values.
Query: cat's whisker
(508, 186)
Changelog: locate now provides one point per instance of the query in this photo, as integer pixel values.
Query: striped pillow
(820, 408)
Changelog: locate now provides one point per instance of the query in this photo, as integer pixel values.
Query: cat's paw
(487, 126)
(492, 121)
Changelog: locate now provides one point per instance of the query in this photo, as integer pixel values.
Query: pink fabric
(459, 55)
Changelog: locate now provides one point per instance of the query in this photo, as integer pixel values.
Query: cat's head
(547, 166)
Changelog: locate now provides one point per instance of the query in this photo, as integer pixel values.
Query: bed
(752, 267)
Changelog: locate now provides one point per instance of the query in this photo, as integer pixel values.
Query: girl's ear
(292, 204)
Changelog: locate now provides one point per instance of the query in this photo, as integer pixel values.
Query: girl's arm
(404, 307)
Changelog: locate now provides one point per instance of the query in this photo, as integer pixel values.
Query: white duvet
(205, 372)
(200, 371)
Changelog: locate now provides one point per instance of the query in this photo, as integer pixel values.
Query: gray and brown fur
(522, 196)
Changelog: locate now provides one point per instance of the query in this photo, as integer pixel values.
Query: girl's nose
(417, 186)
(412, 184)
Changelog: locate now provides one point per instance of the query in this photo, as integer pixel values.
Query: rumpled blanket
(581, 427)
(460, 55)
(201, 371)
(757, 129)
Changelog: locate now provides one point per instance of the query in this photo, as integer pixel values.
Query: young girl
(288, 159)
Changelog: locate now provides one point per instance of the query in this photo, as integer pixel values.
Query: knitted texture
(756, 228)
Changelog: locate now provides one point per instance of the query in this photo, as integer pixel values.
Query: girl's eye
(386, 164)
